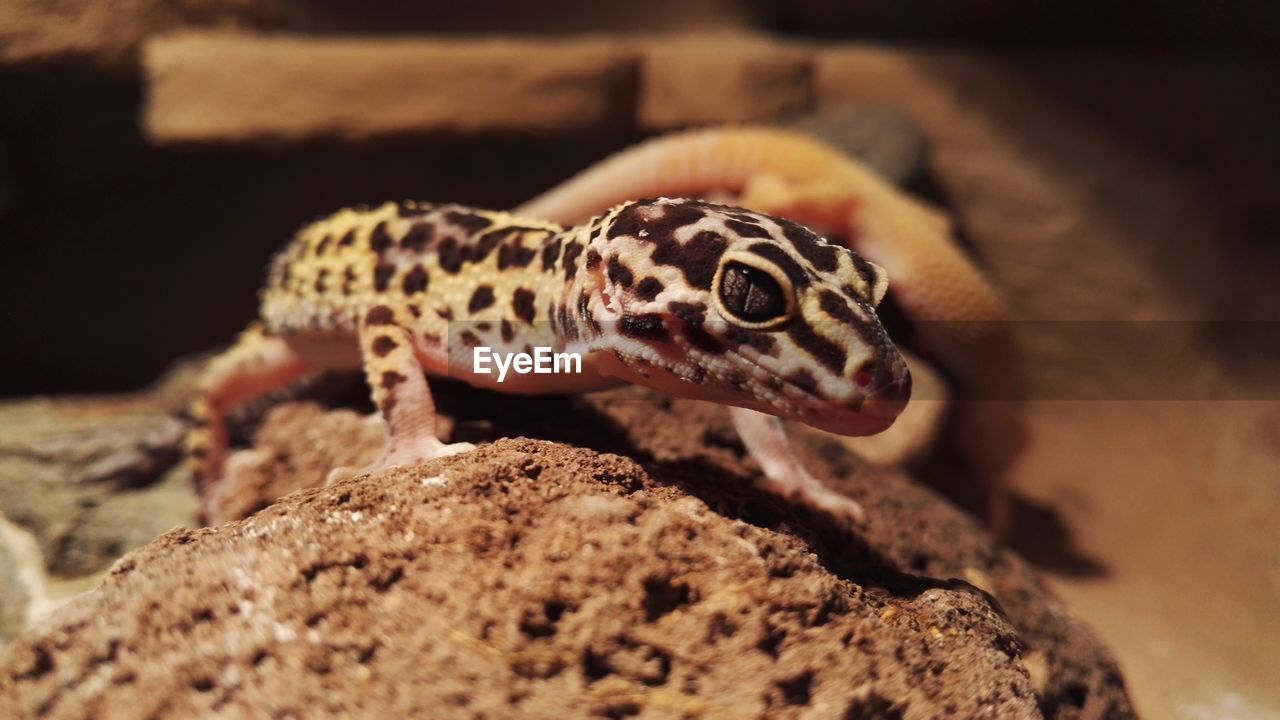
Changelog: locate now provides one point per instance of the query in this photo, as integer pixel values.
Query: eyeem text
(543, 361)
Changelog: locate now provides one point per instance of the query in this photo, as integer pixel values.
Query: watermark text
(542, 361)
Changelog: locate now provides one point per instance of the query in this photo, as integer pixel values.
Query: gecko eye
(752, 296)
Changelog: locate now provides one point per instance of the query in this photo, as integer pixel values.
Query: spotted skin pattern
(693, 299)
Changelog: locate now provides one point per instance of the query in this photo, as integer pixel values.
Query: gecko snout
(885, 386)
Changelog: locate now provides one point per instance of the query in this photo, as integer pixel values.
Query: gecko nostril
(863, 377)
(887, 390)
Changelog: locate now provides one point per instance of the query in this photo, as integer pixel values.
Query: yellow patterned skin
(693, 299)
(958, 319)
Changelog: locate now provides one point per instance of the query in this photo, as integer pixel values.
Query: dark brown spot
(831, 355)
(321, 277)
(445, 313)
(697, 259)
(593, 259)
(692, 313)
(508, 332)
(469, 338)
(416, 280)
(835, 306)
(383, 345)
(513, 254)
(670, 217)
(620, 274)
(692, 316)
(380, 240)
(762, 342)
(645, 326)
(864, 268)
(379, 315)
(810, 246)
(470, 222)
(522, 304)
(698, 337)
(415, 311)
(323, 246)
(348, 277)
(571, 252)
(391, 378)
(480, 299)
(784, 261)
(738, 379)
(750, 230)
(480, 249)
(484, 326)
(348, 239)
(382, 273)
(449, 255)
(648, 288)
(418, 237)
(804, 380)
(550, 253)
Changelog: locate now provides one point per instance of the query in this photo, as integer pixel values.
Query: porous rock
(531, 578)
(525, 579)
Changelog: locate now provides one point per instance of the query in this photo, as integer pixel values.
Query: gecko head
(720, 303)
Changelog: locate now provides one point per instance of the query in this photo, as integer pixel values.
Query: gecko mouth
(889, 400)
(887, 389)
(878, 404)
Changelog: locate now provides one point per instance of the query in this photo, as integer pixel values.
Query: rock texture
(531, 578)
(87, 476)
(526, 579)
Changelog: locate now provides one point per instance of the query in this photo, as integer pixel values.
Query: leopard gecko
(690, 298)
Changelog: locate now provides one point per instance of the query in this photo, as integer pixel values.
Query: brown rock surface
(530, 578)
(81, 473)
(236, 87)
(732, 79)
(509, 582)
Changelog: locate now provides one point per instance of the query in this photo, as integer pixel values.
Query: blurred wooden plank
(232, 88)
(699, 80)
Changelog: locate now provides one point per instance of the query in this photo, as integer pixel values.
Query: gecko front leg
(766, 440)
(396, 376)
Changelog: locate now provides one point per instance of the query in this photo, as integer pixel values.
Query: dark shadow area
(1146, 24)
(122, 256)
(1037, 532)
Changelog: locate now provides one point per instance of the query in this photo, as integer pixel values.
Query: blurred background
(1106, 164)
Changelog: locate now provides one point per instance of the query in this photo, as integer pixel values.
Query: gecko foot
(804, 489)
(784, 474)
